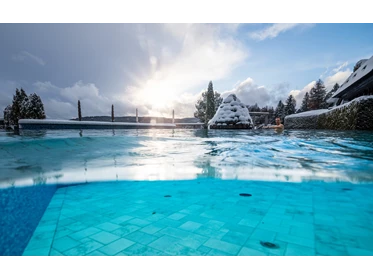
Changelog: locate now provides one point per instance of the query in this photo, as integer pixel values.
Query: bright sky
(160, 67)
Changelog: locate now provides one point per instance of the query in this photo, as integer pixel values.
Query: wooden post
(79, 111)
(266, 120)
(137, 116)
(173, 116)
(112, 113)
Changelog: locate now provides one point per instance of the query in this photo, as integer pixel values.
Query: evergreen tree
(8, 116)
(112, 113)
(210, 103)
(317, 95)
(305, 103)
(34, 108)
(79, 111)
(280, 111)
(200, 113)
(329, 95)
(18, 111)
(290, 105)
(201, 106)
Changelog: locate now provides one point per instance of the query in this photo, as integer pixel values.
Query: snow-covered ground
(231, 111)
(321, 111)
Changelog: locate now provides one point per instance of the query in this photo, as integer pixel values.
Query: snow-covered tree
(34, 108)
(290, 105)
(317, 95)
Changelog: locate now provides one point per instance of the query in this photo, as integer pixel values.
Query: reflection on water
(64, 156)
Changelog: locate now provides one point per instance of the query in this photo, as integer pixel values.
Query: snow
(321, 111)
(365, 68)
(308, 113)
(358, 99)
(68, 122)
(233, 111)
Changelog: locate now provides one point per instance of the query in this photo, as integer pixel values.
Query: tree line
(23, 107)
(315, 99)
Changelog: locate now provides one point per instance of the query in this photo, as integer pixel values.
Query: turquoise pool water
(177, 192)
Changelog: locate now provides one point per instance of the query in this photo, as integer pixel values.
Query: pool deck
(206, 217)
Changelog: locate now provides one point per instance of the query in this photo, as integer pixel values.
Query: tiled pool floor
(207, 217)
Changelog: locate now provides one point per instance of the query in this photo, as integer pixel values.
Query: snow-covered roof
(68, 122)
(231, 111)
(364, 69)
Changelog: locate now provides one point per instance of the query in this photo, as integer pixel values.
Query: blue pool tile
(139, 222)
(264, 235)
(215, 252)
(164, 243)
(116, 246)
(222, 246)
(55, 253)
(204, 249)
(175, 232)
(61, 232)
(121, 219)
(176, 216)
(96, 253)
(297, 250)
(126, 229)
(237, 238)
(142, 250)
(64, 244)
(211, 233)
(306, 242)
(83, 249)
(108, 226)
(84, 233)
(251, 252)
(193, 241)
(141, 237)
(39, 243)
(37, 252)
(359, 252)
(104, 237)
(151, 229)
(190, 226)
(214, 224)
(326, 249)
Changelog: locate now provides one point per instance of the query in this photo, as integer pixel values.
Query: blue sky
(160, 67)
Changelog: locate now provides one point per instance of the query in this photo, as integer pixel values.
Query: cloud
(340, 66)
(195, 54)
(23, 55)
(61, 103)
(338, 77)
(250, 93)
(299, 94)
(329, 82)
(274, 30)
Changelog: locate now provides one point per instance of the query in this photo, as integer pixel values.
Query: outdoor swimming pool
(177, 192)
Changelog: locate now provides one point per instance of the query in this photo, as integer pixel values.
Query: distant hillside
(141, 119)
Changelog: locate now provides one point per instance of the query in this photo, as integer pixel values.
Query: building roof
(365, 68)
